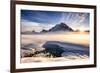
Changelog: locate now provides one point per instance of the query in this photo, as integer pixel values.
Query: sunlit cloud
(33, 26)
(39, 20)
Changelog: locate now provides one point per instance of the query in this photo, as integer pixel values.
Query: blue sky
(38, 20)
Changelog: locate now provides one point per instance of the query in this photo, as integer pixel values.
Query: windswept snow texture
(65, 49)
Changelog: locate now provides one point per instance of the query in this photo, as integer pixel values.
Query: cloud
(30, 26)
(39, 20)
(77, 19)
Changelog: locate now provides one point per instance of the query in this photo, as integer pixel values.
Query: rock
(40, 55)
(27, 53)
(53, 48)
(44, 30)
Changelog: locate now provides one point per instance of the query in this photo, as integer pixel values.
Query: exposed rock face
(61, 27)
(53, 48)
(44, 30)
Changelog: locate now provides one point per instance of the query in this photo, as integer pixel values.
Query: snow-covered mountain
(60, 27)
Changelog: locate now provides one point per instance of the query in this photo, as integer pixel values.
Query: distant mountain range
(56, 28)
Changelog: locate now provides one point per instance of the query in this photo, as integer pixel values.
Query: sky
(39, 20)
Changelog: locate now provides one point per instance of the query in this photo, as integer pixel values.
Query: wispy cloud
(30, 26)
(45, 19)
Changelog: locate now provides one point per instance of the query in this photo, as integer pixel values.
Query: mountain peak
(62, 24)
(61, 27)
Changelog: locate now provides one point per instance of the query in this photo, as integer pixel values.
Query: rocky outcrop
(53, 48)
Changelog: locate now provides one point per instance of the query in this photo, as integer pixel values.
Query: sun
(81, 30)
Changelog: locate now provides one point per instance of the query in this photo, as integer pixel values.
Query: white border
(51, 64)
